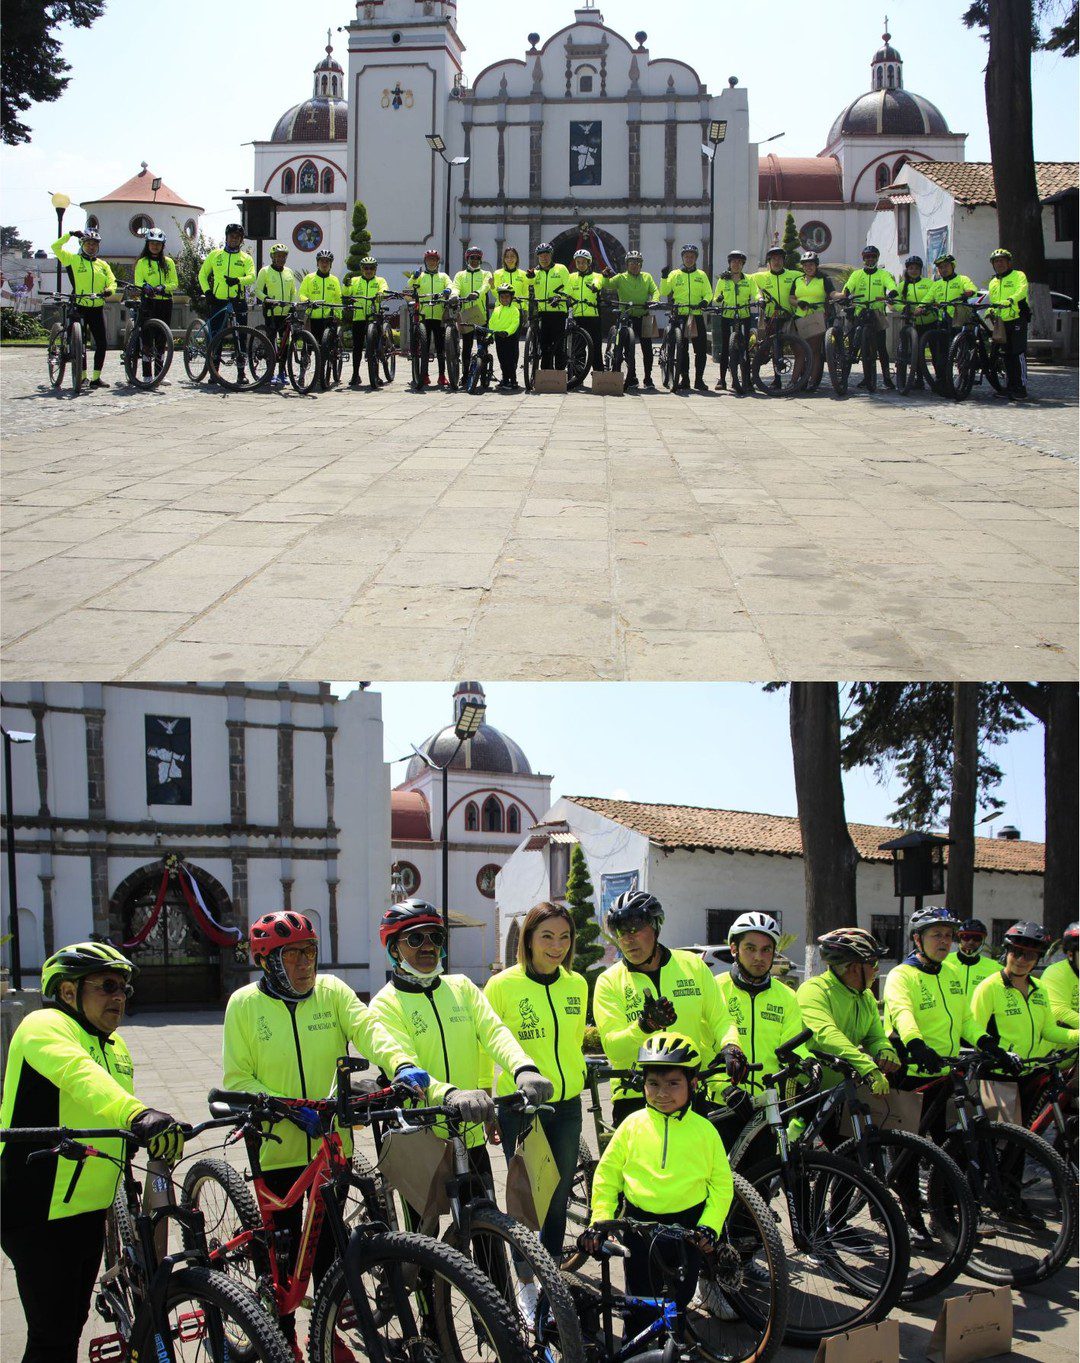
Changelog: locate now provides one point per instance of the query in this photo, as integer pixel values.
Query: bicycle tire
(579, 1201)
(791, 349)
(682, 359)
(372, 345)
(934, 343)
(418, 352)
(578, 362)
(530, 358)
(487, 373)
(836, 360)
(430, 1269)
(196, 345)
(76, 358)
(943, 1212)
(388, 356)
(1064, 1142)
(333, 361)
(994, 369)
(452, 352)
(868, 354)
(56, 356)
(242, 358)
(1008, 1202)
(830, 1190)
(906, 359)
(667, 358)
(254, 1335)
(611, 350)
(739, 363)
(154, 326)
(961, 369)
(113, 1300)
(302, 361)
(554, 1330)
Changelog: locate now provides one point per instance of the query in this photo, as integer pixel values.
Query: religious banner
(168, 760)
(586, 148)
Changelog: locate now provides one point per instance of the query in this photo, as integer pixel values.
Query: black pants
(215, 318)
(642, 1276)
(506, 347)
(591, 327)
(1016, 355)
(552, 348)
(279, 1181)
(875, 341)
(698, 342)
(359, 338)
(646, 352)
(274, 326)
(93, 323)
(56, 1266)
(727, 326)
(438, 332)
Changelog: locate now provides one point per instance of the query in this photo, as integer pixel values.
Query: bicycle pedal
(108, 1349)
(191, 1326)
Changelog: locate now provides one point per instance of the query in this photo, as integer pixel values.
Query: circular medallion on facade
(139, 224)
(485, 879)
(307, 236)
(815, 236)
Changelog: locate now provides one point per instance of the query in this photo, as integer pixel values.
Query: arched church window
(327, 181)
(890, 76)
(472, 817)
(492, 815)
(877, 78)
(586, 79)
(881, 176)
(309, 178)
(513, 819)
(324, 85)
(288, 182)
(898, 167)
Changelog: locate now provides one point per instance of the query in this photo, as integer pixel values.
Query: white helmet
(582, 254)
(753, 922)
(154, 234)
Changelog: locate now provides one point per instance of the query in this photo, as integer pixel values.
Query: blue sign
(613, 885)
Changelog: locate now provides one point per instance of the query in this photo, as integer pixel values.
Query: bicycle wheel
(152, 350)
(388, 355)
(867, 341)
(579, 1203)
(114, 1301)
(612, 351)
(76, 358)
(302, 360)
(667, 358)
(452, 349)
(739, 363)
(837, 360)
(847, 1254)
(196, 346)
(487, 373)
(333, 361)
(682, 358)
(418, 350)
(906, 359)
(936, 1201)
(416, 1287)
(961, 370)
(775, 362)
(577, 357)
(1027, 1204)
(933, 354)
(748, 1272)
(57, 355)
(211, 1317)
(530, 358)
(242, 357)
(508, 1253)
(994, 368)
(372, 343)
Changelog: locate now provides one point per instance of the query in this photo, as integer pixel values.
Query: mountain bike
(775, 349)
(295, 348)
(331, 345)
(530, 353)
(738, 346)
(576, 346)
(1023, 1188)
(675, 347)
(1054, 1116)
(421, 338)
(379, 352)
(974, 354)
(914, 357)
(67, 347)
(390, 1295)
(620, 340)
(452, 336)
(481, 365)
(173, 1307)
(148, 347)
(238, 356)
(851, 336)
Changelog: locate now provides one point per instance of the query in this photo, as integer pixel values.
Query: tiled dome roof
(315, 120)
(897, 112)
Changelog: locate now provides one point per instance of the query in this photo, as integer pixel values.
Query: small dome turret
(323, 117)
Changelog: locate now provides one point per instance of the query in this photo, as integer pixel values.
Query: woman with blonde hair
(543, 1001)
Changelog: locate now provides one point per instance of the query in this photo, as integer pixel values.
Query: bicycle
(295, 348)
(421, 337)
(1024, 1191)
(66, 345)
(674, 356)
(913, 355)
(620, 340)
(774, 351)
(1057, 1092)
(851, 336)
(576, 345)
(530, 354)
(149, 344)
(166, 1306)
(379, 352)
(239, 356)
(331, 347)
(738, 347)
(481, 364)
(196, 346)
(452, 336)
(973, 354)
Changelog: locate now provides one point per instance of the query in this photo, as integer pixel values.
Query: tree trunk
(965, 770)
(1062, 767)
(1012, 151)
(829, 856)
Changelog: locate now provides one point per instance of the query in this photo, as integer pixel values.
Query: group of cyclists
(497, 304)
(661, 1015)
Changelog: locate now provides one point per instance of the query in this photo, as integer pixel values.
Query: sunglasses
(301, 953)
(111, 987)
(630, 929)
(418, 938)
(1023, 955)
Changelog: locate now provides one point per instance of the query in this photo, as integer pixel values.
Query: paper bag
(998, 331)
(810, 324)
(896, 1111)
(417, 1165)
(977, 1324)
(868, 1344)
(1001, 1100)
(691, 329)
(531, 1179)
(650, 329)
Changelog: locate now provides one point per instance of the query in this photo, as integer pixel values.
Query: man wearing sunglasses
(68, 1067)
(967, 961)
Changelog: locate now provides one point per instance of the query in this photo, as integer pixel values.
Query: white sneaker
(709, 1298)
(528, 1298)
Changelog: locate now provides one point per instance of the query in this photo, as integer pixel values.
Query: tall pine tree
(580, 902)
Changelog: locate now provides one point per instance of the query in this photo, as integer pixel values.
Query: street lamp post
(60, 202)
(438, 144)
(12, 736)
(716, 134)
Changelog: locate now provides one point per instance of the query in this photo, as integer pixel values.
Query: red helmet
(433, 254)
(279, 930)
(410, 913)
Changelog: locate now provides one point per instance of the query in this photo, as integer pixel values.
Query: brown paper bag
(417, 1165)
(896, 1111)
(868, 1344)
(1001, 1100)
(691, 328)
(810, 324)
(998, 332)
(650, 329)
(977, 1324)
(531, 1179)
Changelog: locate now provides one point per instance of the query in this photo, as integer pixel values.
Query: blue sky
(184, 90)
(710, 744)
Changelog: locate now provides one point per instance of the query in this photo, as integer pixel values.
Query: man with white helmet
(276, 289)
(583, 288)
(637, 288)
(690, 290)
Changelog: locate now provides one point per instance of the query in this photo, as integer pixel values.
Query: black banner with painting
(168, 760)
(586, 152)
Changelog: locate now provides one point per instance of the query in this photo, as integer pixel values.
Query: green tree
(32, 70)
(580, 900)
(360, 242)
(189, 261)
(11, 241)
(791, 243)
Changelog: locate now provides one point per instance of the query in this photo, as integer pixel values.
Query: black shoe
(888, 383)
(354, 382)
(648, 382)
(721, 384)
(1017, 394)
(863, 384)
(700, 386)
(99, 383)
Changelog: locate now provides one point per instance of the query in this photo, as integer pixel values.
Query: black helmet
(844, 945)
(234, 227)
(774, 250)
(971, 925)
(914, 260)
(545, 246)
(634, 904)
(1028, 935)
(670, 1050)
(410, 913)
(870, 250)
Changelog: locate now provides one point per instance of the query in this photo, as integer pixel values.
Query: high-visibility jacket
(547, 1017)
(517, 279)
(319, 289)
(290, 1050)
(364, 295)
(447, 1025)
(664, 1163)
(950, 292)
(758, 1022)
(478, 282)
(618, 997)
(87, 276)
(544, 283)
(636, 289)
(687, 289)
(917, 292)
(972, 972)
(811, 294)
(157, 273)
(1060, 982)
(1025, 1026)
(62, 1072)
(736, 294)
(775, 288)
(929, 1005)
(277, 285)
(845, 1023)
(505, 319)
(222, 268)
(870, 286)
(428, 284)
(1007, 293)
(584, 290)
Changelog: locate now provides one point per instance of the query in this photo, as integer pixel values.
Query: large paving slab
(404, 535)
(177, 1060)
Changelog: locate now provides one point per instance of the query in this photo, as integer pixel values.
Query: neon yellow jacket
(737, 294)
(774, 288)
(1060, 981)
(845, 1023)
(929, 1005)
(427, 285)
(478, 282)
(290, 1050)
(276, 285)
(686, 980)
(973, 974)
(517, 279)
(917, 292)
(547, 1019)
(584, 290)
(758, 1023)
(62, 1073)
(88, 276)
(1025, 1026)
(158, 274)
(687, 289)
(870, 286)
(447, 1027)
(664, 1164)
(221, 268)
(505, 319)
(1007, 292)
(950, 292)
(318, 289)
(364, 295)
(635, 289)
(546, 282)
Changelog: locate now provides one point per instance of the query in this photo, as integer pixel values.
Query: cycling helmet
(1001, 252)
(634, 904)
(410, 913)
(1028, 935)
(369, 260)
(670, 1050)
(81, 959)
(973, 925)
(633, 255)
(504, 288)
(922, 919)
(473, 251)
(324, 254)
(807, 256)
(234, 227)
(433, 254)
(914, 260)
(775, 250)
(545, 246)
(850, 944)
(691, 247)
(91, 234)
(732, 254)
(946, 259)
(154, 234)
(582, 254)
(275, 930)
(279, 247)
(1070, 938)
(753, 922)
(870, 251)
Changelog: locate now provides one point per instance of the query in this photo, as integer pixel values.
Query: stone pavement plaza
(401, 535)
(177, 1060)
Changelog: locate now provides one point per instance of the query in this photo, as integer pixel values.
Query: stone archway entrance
(566, 243)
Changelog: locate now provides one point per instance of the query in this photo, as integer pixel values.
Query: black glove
(726, 274)
(1004, 1060)
(160, 1133)
(530, 274)
(77, 235)
(735, 1063)
(590, 1240)
(656, 1014)
(705, 1238)
(922, 1056)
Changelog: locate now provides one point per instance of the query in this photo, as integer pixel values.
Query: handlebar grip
(788, 1048)
(234, 1098)
(58, 1133)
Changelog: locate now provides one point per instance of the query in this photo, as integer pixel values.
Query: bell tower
(403, 74)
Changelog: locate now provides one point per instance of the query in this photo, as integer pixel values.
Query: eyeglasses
(421, 937)
(110, 987)
(634, 926)
(1022, 955)
(298, 954)
(971, 937)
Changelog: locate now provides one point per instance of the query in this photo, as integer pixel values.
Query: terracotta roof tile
(735, 830)
(139, 190)
(972, 182)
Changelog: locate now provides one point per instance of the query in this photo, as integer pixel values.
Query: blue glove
(310, 1120)
(412, 1074)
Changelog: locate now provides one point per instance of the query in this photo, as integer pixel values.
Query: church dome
(323, 117)
(489, 750)
(887, 108)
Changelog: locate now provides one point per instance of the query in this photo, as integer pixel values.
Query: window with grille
(472, 818)
(888, 928)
